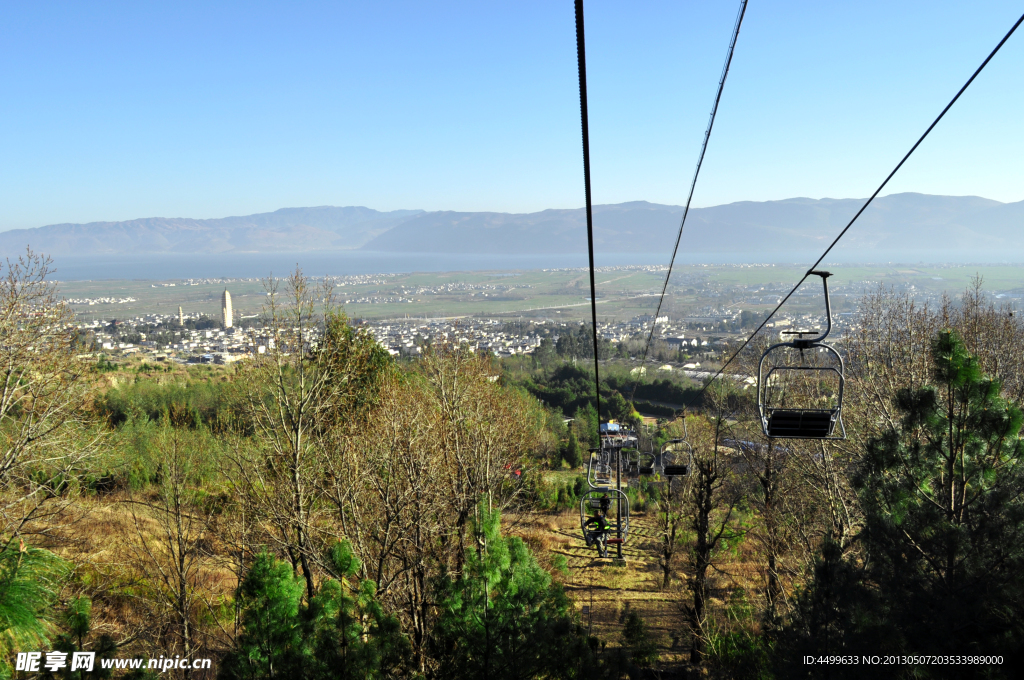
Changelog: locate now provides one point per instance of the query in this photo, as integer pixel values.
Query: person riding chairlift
(598, 534)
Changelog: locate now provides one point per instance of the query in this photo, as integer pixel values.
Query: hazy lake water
(163, 267)
(244, 265)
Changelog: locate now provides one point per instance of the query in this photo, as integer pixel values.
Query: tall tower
(181, 317)
(225, 308)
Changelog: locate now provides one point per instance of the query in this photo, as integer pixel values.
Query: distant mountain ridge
(288, 229)
(903, 222)
(906, 223)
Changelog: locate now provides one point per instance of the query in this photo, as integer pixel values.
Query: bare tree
(714, 495)
(312, 370)
(670, 509)
(171, 532)
(404, 484)
(46, 432)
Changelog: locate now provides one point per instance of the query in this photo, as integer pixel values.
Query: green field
(622, 294)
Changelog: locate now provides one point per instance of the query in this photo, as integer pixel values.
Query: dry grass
(603, 592)
(99, 542)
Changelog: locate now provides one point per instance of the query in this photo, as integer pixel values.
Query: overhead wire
(581, 62)
(859, 212)
(693, 185)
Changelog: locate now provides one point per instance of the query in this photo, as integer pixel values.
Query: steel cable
(581, 61)
(693, 185)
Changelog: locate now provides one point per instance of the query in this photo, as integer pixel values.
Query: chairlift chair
(599, 473)
(633, 460)
(805, 420)
(646, 462)
(613, 505)
(676, 463)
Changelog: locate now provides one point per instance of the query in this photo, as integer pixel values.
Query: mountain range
(904, 223)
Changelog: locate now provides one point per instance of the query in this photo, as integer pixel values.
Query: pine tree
(944, 512)
(636, 638)
(77, 625)
(29, 579)
(571, 451)
(350, 635)
(341, 634)
(270, 645)
(504, 617)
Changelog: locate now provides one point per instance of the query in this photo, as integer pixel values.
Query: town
(708, 308)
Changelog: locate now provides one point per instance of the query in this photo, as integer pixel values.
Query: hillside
(968, 228)
(288, 229)
(903, 222)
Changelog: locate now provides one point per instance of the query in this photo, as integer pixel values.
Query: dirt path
(604, 592)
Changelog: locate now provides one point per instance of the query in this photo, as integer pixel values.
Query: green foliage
(640, 496)
(637, 639)
(76, 626)
(192, 404)
(78, 619)
(133, 456)
(750, 319)
(615, 407)
(29, 579)
(545, 355)
(676, 390)
(554, 496)
(104, 365)
(738, 648)
(270, 645)
(341, 633)
(356, 360)
(570, 388)
(352, 637)
(567, 388)
(571, 452)
(504, 617)
(654, 410)
(579, 343)
(585, 426)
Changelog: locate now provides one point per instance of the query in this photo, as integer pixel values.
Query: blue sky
(114, 111)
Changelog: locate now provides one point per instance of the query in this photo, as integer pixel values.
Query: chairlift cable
(581, 60)
(862, 209)
(693, 185)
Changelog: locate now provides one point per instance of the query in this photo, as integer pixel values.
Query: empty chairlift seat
(599, 474)
(801, 423)
(677, 456)
(800, 384)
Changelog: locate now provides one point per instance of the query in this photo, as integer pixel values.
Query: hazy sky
(113, 111)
